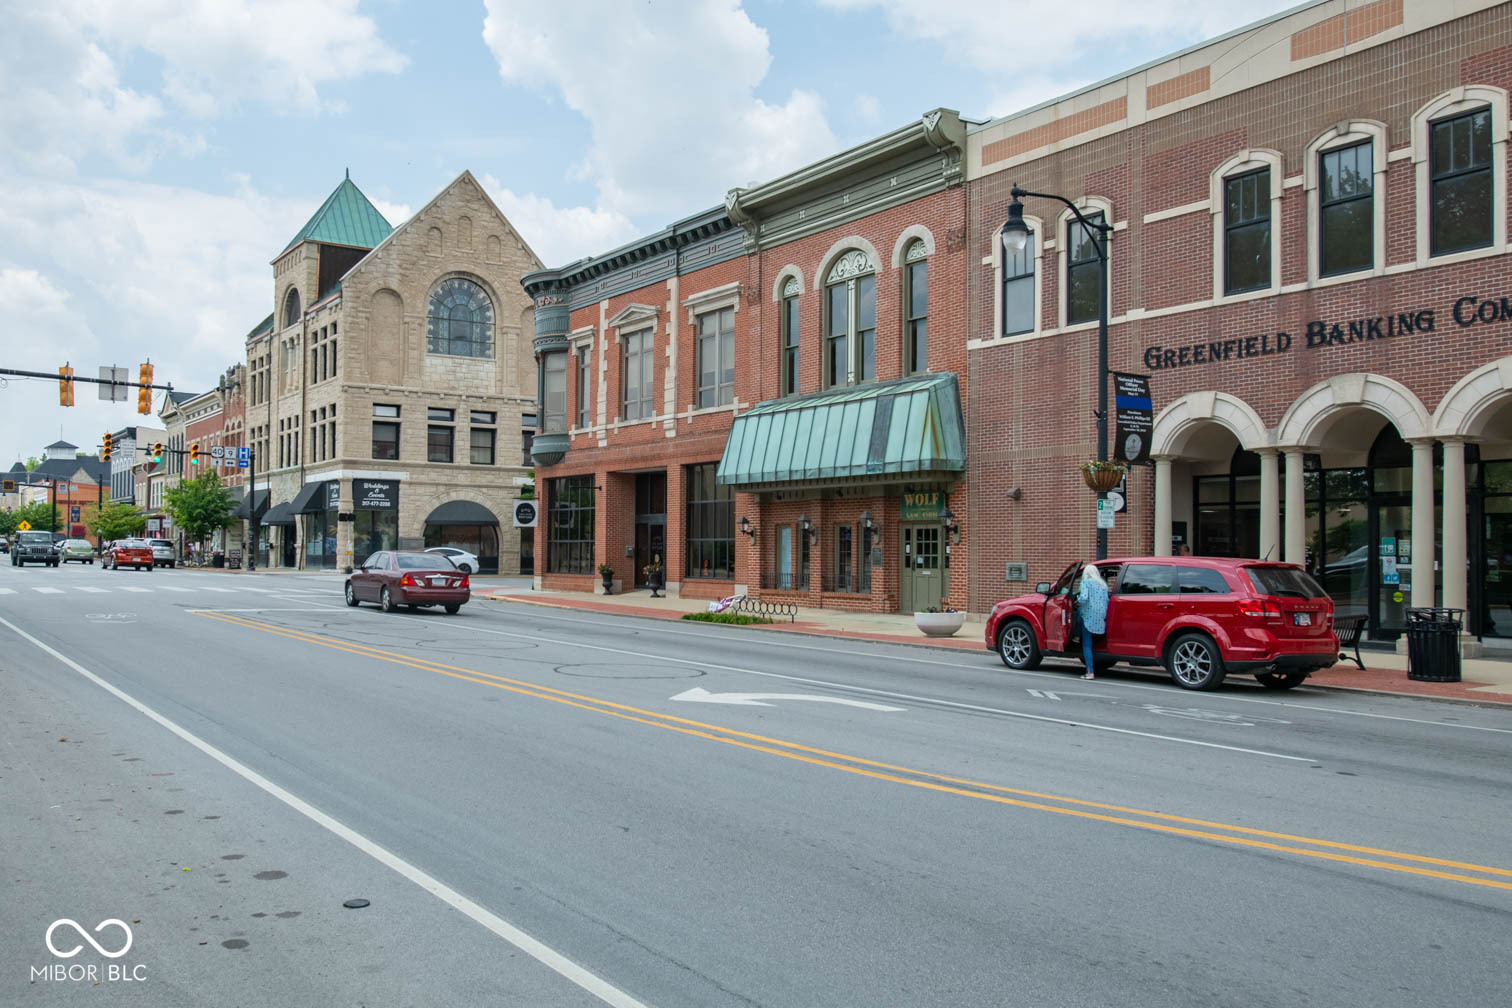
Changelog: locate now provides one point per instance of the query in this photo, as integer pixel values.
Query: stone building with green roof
(391, 395)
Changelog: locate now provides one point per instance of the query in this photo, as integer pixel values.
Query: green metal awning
(907, 427)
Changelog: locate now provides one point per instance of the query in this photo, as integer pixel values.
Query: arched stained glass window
(459, 320)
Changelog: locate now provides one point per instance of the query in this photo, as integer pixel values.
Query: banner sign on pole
(1136, 417)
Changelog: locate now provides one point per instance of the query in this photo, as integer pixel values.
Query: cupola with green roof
(339, 234)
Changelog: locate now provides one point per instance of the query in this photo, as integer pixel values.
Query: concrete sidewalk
(1484, 680)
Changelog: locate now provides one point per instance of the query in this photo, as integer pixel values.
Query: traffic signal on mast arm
(157, 451)
(144, 389)
(107, 448)
(65, 386)
(194, 453)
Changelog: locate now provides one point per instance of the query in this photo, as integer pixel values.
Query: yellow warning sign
(24, 526)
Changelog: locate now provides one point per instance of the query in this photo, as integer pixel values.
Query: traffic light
(65, 386)
(144, 391)
(157, 451)
(108, 449)
(194, 453)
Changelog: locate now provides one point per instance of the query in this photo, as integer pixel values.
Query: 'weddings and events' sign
(376, 495)
(1467, 311)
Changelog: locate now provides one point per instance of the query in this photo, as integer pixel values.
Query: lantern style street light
(1015, 236)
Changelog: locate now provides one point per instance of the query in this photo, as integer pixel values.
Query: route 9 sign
(525, 514)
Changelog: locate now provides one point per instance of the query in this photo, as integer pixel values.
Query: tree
(32, 463)
(200, 506)
(114, 521)
(38, 514)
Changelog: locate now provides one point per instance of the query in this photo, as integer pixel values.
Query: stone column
(1270, 504)
(1422, 522)
(1295, 511)
(1456, 551)
(1162, 506)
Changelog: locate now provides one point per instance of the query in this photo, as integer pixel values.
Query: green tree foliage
(200, 506)
(114, 521)
(32, 463)
(39, 515)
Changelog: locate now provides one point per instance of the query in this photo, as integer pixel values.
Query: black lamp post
(1014, 236)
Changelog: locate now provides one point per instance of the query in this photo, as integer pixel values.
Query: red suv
(1200, 617)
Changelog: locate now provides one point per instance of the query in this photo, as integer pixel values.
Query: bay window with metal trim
(1461, 202)
(637, 376)
(1247, 232)
(790, 338)
(850, 320)
(916, 309)
(1346, 209)
(554, 393)
(716, 358)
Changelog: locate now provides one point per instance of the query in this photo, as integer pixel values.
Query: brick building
(1309, 261)
(387, 384)
(766, 397)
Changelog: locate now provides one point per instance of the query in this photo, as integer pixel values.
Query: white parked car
(464, 561)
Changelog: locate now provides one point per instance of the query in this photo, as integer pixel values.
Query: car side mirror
(1043, 588)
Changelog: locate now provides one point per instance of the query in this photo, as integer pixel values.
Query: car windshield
(34, 537)
(409, 561)
(1285, 581)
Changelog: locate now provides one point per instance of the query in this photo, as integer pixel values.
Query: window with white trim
(1018, 288)
(1247, 231)
(716, 358)
(850, 320)
(916, 309)
(790, 336)
(1083, 269)
(1346, 209)
(637, 378)
(1461, 202)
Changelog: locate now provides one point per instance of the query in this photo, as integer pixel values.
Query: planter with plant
(607, 573)
(939, 621)
(653, 572)
(1102, 476)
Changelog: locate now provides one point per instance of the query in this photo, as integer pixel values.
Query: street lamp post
(1015, 236)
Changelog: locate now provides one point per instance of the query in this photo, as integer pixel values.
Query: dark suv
(34, 547)
(1200, 617)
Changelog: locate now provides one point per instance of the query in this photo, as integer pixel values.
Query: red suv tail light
(1259, 608)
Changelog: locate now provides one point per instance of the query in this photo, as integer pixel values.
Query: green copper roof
(345, 218)
(912, 425)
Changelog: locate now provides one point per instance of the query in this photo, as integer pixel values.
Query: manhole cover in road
(630, 671)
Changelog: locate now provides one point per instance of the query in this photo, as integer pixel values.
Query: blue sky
(155, 154)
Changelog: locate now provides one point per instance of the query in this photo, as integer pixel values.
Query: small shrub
(737, 619)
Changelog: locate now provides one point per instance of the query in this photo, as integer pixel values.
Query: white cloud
(669, 94)
(560, 235)
(868, 109)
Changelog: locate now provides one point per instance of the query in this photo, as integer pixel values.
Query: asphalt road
(552, 808)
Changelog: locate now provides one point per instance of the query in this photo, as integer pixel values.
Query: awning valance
(279, 514)
(461, 513)
(311, 498)
(907, 427)
(257, 500)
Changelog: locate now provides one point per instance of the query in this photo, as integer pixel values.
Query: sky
(156, 154)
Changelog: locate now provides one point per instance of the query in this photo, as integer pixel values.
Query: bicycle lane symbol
(1210, 716)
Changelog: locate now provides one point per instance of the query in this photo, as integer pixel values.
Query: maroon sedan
(393, 578)
(127, 553)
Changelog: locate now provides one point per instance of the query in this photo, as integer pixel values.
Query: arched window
(850, 320)
(291, 307)
(916, 308)
(459, 320)
(790, 291)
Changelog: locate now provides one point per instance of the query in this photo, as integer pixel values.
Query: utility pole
(252, 507)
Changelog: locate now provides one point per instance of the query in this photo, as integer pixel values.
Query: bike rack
(756, 607)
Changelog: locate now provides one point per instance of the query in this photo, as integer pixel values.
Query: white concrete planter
(938, 624)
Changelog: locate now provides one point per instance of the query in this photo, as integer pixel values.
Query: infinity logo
(85, 935)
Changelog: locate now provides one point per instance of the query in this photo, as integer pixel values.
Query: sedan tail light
(408, 581)
(1259, 608)
(465, 582)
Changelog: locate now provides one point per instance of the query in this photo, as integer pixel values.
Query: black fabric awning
(279, 514)
(257, 500)
(309, 500)
(462, 513)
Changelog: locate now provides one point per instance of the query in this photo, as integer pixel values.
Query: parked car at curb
(34, 547)
(81, 550)
(393, 578)
(465, 562)
(135, 553)
(4, 545)
(1200, 617)
(164, 552)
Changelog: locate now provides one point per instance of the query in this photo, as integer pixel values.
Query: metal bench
(1349, 630)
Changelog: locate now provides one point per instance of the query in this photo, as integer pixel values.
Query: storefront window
(320, 539)
(569, 525)
(711, 524)
(373, 531)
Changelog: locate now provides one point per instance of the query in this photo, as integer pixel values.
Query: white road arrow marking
(700, 695)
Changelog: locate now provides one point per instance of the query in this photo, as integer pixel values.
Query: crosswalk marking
(7, 591)
(132, 589)
(173, 588)
(49, 591)
(97, 591)
(208, 588)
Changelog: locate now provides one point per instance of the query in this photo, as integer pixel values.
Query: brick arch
(1177, 423)
(1467, 407)
(839, 249)
(1308, 418)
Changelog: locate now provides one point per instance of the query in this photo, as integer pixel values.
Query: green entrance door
(921, 582)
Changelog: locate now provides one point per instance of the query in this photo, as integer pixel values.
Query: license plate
(1302, 619)
(438, 582)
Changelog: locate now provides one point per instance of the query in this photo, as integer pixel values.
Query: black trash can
(1433, 644)
(218, 560)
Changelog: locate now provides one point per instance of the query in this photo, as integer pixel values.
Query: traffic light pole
(74, 378)
(252, 522)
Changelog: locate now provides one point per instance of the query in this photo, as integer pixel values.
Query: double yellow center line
(1157, 822)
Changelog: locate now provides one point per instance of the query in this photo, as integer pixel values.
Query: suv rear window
(1286, 581)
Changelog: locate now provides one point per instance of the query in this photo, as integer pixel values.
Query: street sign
(524, 514)
(113, 392)
(243, 455)
(1104, 513)
(24, 526)
(217, 451)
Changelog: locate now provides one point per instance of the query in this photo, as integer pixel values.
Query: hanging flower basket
(1102, 476)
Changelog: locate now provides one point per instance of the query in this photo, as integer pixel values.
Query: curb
(952, 649)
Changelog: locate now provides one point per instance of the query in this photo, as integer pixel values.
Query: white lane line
(223, 590)
(175, 588)
(49, 591)
(94, 591)
(1059, 677)
(7, 591)
(1023, 715)
(133, 588)
(547, 956)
